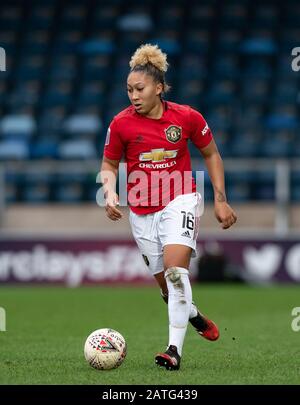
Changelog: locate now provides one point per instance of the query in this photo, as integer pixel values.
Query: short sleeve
(201, 134)
(114, 147)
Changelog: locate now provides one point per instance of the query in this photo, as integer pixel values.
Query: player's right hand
(112, 200)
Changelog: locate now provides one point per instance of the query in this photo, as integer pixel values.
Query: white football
(105, 349)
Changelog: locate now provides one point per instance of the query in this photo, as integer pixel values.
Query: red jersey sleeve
(114, 146)
(200, 132)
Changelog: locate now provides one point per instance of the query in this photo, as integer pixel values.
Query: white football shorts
(177, 223)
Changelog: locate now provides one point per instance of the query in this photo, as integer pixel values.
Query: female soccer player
(153, 136)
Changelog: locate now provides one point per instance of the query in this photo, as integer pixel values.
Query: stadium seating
(67, 65)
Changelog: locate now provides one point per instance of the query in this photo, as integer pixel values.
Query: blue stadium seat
(105, 15)
(229, 41)
(170, 16)
(44, 149)
(254, 90)
(41, 16)
(77, 149)
(73, 17)
(192, 67)
(97, 46)
(14, 150)
(260, 42)
(17, 126)
(201, 15)
(31, 67)
(239, 192)
(97, 67)
(233, 15)
(244, 145)
(36, 41)
(50, 121)
(281, 120)
(276, 147)
(11, 17)
(68, 193)
(197, 41)
(295, 186)
(219, 119)
(226, 67)
(58, 93)
(135, 22)
(24, 93)
(83, 124)
(92, 93)
(258, 68)
(69, 186)
(63, 67)
(191, 92)
(221, 92)
(38, 193)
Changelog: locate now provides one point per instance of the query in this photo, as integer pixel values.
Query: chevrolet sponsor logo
(158, 155)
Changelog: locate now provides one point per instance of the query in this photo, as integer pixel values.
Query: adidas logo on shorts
(186, 233)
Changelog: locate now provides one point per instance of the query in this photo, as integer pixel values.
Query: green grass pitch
(46, 328)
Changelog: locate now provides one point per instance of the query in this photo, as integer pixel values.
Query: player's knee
(174, 274)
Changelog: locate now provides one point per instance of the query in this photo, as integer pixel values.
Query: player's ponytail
(152, 61)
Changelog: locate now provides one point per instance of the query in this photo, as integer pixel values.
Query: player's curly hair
(152, 61)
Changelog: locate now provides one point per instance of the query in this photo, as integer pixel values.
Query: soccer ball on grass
(105, 349)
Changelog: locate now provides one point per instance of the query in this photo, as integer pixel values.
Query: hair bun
(149, 54)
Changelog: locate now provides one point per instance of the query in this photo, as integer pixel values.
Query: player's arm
(213, 161)
(109, 172)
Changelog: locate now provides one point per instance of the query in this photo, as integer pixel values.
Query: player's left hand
(225, 214)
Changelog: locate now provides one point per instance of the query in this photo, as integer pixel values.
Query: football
(105, 349)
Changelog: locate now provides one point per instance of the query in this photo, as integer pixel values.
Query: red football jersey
(156, 153)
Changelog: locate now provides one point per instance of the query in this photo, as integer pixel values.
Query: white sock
(194, 309)
(179, 304)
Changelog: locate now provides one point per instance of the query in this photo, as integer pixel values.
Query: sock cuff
(175, 270)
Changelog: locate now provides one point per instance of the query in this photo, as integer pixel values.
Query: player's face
(143, 92)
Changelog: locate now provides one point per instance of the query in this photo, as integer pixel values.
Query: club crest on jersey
(173, 133)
